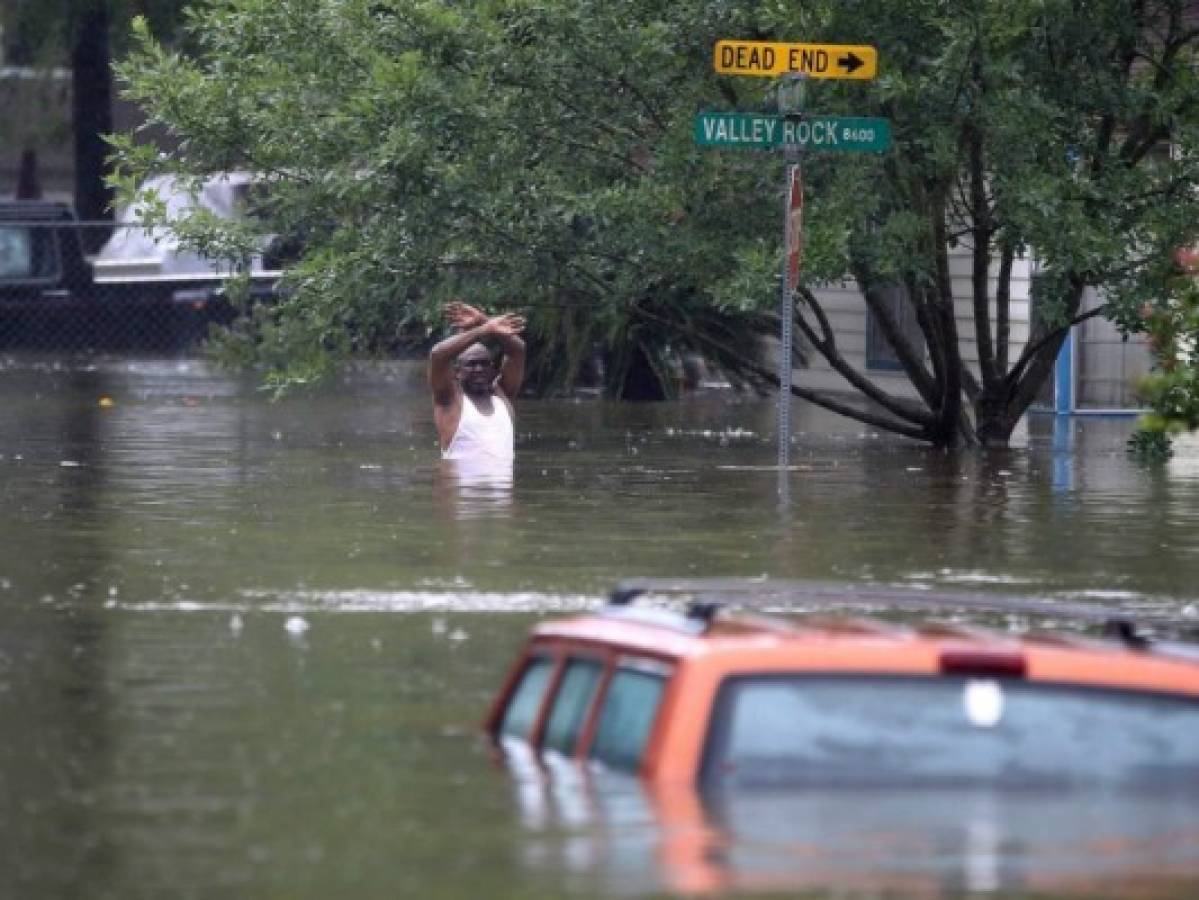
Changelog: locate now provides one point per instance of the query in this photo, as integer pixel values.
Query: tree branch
(1003, 311)
(827, 348)
(980, 256)
(1032, 349)
(771, 378)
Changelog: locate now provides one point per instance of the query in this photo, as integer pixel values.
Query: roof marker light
(973, 661)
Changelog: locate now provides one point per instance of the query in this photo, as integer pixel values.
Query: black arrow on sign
(850, 62)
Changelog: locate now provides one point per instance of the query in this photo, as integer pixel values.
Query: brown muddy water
(245, 646)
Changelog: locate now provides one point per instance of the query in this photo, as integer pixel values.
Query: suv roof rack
(697, 617)
(711, 594)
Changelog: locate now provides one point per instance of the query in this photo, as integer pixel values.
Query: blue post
(1063, 454)
(1063, 378)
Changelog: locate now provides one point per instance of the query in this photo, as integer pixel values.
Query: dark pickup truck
(51, 297)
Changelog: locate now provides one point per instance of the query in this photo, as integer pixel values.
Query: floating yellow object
(107, 402)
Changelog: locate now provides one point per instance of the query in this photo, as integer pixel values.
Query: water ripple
(376, 601)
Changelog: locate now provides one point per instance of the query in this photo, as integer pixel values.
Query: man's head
(475, 370)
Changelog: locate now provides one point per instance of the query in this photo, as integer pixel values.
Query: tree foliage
(1172, 389)
(540, 155)
(527, 154)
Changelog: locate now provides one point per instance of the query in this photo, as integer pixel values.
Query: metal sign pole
(792, 130)
(786, 340)
(790, 95)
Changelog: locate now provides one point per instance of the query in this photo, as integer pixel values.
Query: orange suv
(708, 697)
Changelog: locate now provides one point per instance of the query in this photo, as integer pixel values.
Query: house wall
(35, 109)
(846, 310)
(1108, 365)
(35, 114)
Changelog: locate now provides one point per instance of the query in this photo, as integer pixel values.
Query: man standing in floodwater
(472, 396)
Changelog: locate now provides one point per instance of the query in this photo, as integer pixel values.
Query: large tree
(1057, 132)
(543, 151)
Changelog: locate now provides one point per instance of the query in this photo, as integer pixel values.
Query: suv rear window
(630, 706)
(793, 730)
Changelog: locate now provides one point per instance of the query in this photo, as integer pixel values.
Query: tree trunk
(91, 93)
(29, 183)
(998, 410)
(641, 382)
(994, 422)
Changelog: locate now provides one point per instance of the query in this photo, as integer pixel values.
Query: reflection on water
(474, 488)
(161, 522)
(940, 843)
(954, 841)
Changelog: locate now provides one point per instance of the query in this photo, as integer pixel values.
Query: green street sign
(841, 134)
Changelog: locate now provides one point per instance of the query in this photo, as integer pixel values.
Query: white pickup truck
(140, 292)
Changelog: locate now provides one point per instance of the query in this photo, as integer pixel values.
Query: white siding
(846, 310)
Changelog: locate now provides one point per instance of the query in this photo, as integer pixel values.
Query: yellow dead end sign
(768, 59)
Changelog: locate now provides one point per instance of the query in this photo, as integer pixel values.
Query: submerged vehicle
(712, 697)
(142, 290)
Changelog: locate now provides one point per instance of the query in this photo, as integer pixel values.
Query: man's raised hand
(463, 316)
(508, 323)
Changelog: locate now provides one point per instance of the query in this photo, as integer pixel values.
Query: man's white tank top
(483, 436)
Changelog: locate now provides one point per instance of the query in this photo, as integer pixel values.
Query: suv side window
(30, 251)
(571, 705)
(16, 252)
(526, 699)
(628, 712)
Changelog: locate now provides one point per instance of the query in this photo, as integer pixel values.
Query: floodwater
(245, 646)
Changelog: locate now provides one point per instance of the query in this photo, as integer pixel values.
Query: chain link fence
(96, 287)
